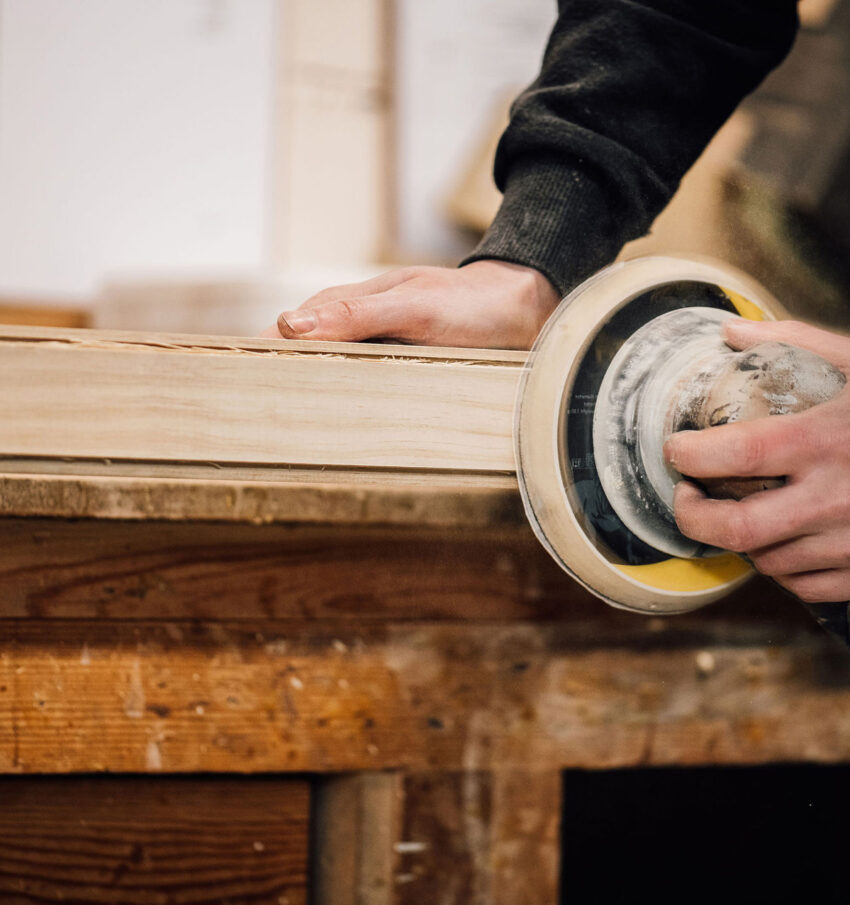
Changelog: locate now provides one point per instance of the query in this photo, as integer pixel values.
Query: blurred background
(201, 165)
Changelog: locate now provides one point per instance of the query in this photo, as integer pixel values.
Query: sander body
(631, 356)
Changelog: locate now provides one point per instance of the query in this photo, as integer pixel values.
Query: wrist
(533, 285)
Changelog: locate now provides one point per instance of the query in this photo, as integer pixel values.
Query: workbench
(215, 689)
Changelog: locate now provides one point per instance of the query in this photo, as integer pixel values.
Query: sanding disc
(561, 489)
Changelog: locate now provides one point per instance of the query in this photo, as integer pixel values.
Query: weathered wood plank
(480, 838)
(356, 828)
(56, 569)
(133, 841)
(612, 691)
(157, 397)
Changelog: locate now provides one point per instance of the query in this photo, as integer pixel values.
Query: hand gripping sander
(631, 356)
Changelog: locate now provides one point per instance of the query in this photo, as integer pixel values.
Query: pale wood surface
(83, 394)
(131, 841)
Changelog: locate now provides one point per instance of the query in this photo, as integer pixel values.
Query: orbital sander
(631, 356)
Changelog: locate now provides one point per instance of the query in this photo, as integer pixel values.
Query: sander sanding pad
(577, 489)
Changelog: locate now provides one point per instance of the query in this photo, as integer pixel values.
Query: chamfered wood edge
(304, 496)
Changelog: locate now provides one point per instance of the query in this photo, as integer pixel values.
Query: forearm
(629, 94)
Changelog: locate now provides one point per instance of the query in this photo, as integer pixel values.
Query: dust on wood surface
(136, 841)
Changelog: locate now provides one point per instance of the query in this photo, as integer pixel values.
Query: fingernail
(672, 446)
(298, 321)
(741, 323)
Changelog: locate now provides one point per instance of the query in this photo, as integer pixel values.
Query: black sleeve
(629, 94)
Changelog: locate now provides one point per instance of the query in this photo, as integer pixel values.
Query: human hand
(486, 304)
(798, 533)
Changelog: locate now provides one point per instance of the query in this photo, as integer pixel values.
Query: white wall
(457, 62)
(134, 135)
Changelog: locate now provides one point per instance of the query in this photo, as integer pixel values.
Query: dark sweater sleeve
(629, 94)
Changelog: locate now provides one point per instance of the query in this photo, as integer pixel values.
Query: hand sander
(631, 356)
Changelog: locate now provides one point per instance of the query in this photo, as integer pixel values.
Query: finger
(763, 447)
(741, 334)
(381, 283)
(819, 587)
(809, 553)
(354, 319)
(760, 520)
(271, 333)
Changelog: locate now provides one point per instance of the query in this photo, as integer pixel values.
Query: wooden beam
(161, 398)
(475, 837)
(284, 696)
(356, 830)
(173, 839)
(151, 570)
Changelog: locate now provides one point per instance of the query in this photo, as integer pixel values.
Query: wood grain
(131, 570)
(615, 691)
(356, 833)
(154, 397)
(132, 841)
(480, 838)
(469, 837)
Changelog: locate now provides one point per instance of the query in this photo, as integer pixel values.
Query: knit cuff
(557, 219)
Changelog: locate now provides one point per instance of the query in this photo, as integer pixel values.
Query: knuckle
(686, 522)
(421, 273)
(807, 590)
(405, 274)
(769, 564)
(739, 533)
(748, 451)
(829, 509)
(424, 317)
(797, 433)
(349, 309)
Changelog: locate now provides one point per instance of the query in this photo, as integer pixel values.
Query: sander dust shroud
(632, 355)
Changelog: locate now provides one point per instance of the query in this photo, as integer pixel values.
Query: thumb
(741, 334)
(346, 320)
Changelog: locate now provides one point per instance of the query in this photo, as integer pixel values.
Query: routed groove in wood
(144, 841)
(201, 399)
